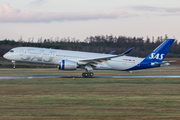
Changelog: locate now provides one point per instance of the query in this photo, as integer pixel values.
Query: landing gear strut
(88, 74)
(14, 63)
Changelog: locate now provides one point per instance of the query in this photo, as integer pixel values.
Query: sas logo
(157, 56)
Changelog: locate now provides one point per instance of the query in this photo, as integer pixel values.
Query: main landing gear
(88, 74)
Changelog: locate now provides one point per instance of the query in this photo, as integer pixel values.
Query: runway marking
(46, 77)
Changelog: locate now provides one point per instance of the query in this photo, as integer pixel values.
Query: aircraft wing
(95, 61)
(101, 59)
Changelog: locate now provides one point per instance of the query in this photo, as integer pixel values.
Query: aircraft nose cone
(5, 56)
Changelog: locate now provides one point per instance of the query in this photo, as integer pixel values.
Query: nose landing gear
(14, 63)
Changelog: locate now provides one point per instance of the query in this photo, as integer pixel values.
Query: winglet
(128, 51)
(112, 52)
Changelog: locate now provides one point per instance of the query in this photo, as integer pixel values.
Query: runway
(9, 71)
(48, 77)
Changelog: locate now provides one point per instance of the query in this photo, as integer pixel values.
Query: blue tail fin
(160, 52)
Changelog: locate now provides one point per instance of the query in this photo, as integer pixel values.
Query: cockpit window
(11, 51)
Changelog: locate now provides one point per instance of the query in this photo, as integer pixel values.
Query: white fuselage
(53, 56)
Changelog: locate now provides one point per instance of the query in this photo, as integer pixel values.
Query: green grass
(81, 98)
(55, 72)
(89, 98)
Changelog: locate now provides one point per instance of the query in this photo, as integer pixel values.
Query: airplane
(71, 60)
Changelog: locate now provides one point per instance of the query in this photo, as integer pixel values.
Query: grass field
(54, 72)
(89, 98)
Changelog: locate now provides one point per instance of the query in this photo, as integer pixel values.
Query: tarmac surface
(46, 77)
(76, 71)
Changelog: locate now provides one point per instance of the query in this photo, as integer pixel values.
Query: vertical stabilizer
(160, 52)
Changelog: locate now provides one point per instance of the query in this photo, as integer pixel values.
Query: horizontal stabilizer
(164, 63)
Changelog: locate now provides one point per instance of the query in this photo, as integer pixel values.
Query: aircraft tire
(90, 74)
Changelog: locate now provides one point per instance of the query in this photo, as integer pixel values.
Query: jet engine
(67, 65)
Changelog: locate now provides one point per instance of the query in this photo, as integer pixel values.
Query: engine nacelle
(68, 65)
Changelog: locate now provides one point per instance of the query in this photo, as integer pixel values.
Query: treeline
(98, 44)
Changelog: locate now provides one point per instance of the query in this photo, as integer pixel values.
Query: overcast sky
(84, 18)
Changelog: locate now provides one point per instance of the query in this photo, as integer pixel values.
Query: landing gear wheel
(85, 74)
(90, 74)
